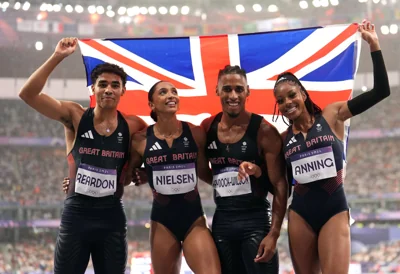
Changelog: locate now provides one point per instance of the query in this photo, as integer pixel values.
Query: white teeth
(291, 110)
(233, 104)
(171, 103)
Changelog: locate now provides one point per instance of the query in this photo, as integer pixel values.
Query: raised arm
(32, 94)
(341, 111)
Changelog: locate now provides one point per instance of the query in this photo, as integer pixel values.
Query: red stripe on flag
(215, 56)
(349, 31)
(125, 60)
(92, 101)
(324, 98)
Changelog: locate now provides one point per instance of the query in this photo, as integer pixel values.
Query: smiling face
(233, 90)
(290, 99)
(108, 89)
(165, 99)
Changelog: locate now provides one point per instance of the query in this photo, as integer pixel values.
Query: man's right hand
(66, 47)
(66, 185)
(66, 112)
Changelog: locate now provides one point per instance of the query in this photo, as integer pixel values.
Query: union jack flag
(325, 59)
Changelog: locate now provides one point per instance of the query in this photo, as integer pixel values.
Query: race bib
(95, 181)
(175, 178)
(226, 182)
(314, 165)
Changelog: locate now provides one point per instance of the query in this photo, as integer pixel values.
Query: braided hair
(311, 107)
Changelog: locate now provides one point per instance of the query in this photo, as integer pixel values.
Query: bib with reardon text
(94, 181)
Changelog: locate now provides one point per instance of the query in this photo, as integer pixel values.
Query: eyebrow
(225, 86)
(105, 81)
(173, 89)
(289, 92)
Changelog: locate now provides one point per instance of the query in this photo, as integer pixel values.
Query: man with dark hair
(243, 143)
(93, 221)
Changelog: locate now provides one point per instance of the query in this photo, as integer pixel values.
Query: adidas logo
(87, 135)
(212, 145)
(156, 146)
(291, 141)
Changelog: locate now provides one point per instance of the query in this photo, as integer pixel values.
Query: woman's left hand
(368, 33)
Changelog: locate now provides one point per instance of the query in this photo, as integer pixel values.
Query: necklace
(169, 135)
(108, 126)
(231, 138)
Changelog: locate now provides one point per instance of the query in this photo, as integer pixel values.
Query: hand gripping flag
(325, 59)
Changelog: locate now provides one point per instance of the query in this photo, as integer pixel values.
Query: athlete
(93, 221)
(242, 229)
(173, 155)
(319, 230)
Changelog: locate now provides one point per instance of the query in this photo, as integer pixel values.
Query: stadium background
(33, 162)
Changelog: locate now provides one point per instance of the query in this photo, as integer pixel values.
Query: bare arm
(203, 168)
(32, 94)
(206, 124)
(135, 159)
(271, 145)
(289, 175)
(137, 123)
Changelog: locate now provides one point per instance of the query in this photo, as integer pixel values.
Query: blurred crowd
(36, 256)
(19, 120)
(381, 258)
(373, 167)
(32, 175)
(383, 115)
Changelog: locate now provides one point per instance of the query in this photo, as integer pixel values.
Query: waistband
(80, 200)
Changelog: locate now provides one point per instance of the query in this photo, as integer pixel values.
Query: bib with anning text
(313, 165)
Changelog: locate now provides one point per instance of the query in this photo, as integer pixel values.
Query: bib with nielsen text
(174, 178)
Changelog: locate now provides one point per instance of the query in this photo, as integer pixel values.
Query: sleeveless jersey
(95, 161)
(225, 159)
(171, 170)
(317, 160)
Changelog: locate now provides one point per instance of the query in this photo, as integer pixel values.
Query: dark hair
(228, 69)
(153, 115)
(311, 107)
(108, 68)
